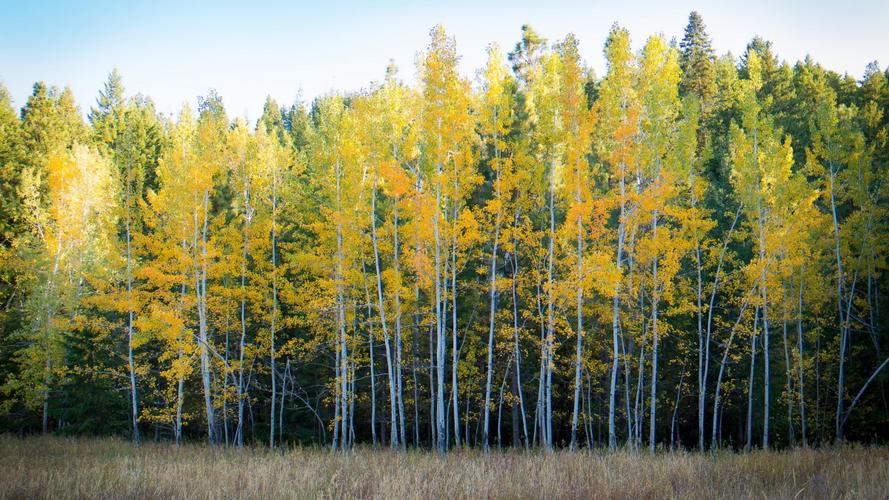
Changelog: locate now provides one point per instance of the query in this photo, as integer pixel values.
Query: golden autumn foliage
(686, 250)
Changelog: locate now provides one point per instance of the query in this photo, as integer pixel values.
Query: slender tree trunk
(201, 290)
(845, 335)
(180, 383)
(655, 296)
(180, 400)
(702, 397)
(455, 353)
(492, 306)
(717, 417)
(283, 401)
(539, 425)
(433, 399)
(226, 374)
(550, 309)
(466, 431)
(514, 412)
(248, 216)
(416, 422)
(343, 351)
(638, 410)
(439, 327)
(578, 360)
(351, 402)
(274, 305)
(615, 320)
(417, 251)
(699, 290)
(819, 429)
(841, 372)
(590, 439)
(863, 388)
(414, 353)
(335, 440)
(516, 337)
(633, 419)
(763, 287)
(398, 341)
(48, 331)
(539, 410)
(800, 364)
(130, 359)
(373, 375)
(788, 374)
(749, 443)
(393, 419)
(673, 431)
(499, 407)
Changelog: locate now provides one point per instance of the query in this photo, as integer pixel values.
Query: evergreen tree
(696, 60)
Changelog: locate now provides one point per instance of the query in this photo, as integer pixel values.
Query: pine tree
(11, 152)
(696, 60)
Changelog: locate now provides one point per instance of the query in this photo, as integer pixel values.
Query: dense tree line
(687, 251)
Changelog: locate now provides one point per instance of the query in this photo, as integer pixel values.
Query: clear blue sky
(246, 50)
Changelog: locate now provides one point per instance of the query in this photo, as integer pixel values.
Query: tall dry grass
(48, 467)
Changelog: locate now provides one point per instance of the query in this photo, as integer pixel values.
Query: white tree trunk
(749, 442)
(550, 310)
(439, 328)
(655, 296)
(515, 328)
(398, 341)
(713, 441)
(455, 353)
(343, 351)
(130, 359)
(274, 306)
(393, 421)
(615, 320)
(841, 373)
(373, 375)
(201, 291)
(763, 287)
(801, 364)
(578, 360)
(248, 215)
(703, 388)
(492, 306)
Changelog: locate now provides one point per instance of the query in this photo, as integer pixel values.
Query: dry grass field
(46, 467)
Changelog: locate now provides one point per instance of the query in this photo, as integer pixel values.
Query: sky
(175, 51)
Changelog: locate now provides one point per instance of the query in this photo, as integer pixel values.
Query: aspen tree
(375, 152)
(334, 149)
(245, 172)
(577, 120)
(169, 272)
(208, 145)
(659, 95)
(495, 120)
(446, 129)
(617, 111)
(771, 194)
(69, 231)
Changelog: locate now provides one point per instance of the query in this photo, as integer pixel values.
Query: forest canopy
(686, 251)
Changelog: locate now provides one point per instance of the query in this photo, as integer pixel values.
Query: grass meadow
(52, 467)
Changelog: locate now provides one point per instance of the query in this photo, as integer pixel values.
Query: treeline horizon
(687, 251)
